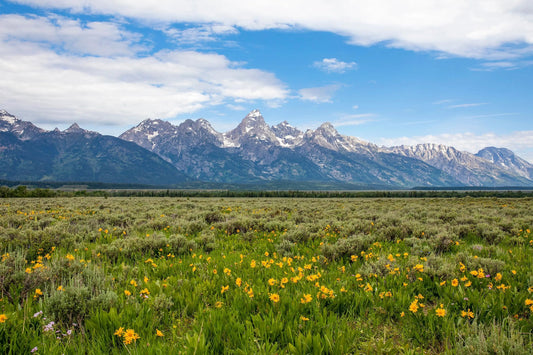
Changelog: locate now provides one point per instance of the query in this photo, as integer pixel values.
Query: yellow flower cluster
(128, 335)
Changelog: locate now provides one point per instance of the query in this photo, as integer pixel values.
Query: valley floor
(266, 275)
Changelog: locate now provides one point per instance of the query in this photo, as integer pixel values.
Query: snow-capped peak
(254, 114)
(7, 117)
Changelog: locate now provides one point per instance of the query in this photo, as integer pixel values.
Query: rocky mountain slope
(30, 153)
(159, 153)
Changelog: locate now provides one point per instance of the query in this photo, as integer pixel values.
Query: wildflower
(272, 282)
(455, 283)
(468, 284)
(368, 288)
(38, 293)
(413, 307)
(119, 332)
(253, 264)
(284, 281)
(227, 271)
(440, 312)
(70, 257)
(60, 288)
(219, 304)
(402, 314)
(49, 327)
(498, 277)
(443, 283)
(354, 258)
(3, 318)
(419, 267)
(238, 281)
(34, 349)
(467, 314)
(127, 293)
(306, 298)
(274, 297)
(224, 289)
(145, 279)
(37, 314)
(528, 302)
(130, 335)
(305, 319)
(159, 333)
(133, 283)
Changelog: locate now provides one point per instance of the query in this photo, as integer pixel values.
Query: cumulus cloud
(494, 30)
(521, 142)
(113, 84)
(333, 65)
(321, 94)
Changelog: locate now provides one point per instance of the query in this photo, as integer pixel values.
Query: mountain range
(159, 153)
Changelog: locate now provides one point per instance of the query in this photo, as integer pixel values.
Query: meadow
(129, 275)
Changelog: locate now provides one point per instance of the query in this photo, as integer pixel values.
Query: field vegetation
(266, 275)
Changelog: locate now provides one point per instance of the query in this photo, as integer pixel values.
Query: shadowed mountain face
(159, 153)
(29, 153)
(255, 151)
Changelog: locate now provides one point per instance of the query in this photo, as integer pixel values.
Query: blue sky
(457, 73)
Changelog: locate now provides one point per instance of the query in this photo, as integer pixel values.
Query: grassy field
(266, 276)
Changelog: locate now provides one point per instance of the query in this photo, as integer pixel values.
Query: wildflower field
(101, 275)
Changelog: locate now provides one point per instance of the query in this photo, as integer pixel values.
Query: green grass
(267, 276)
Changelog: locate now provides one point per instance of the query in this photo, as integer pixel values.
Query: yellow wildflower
(468, 314)
(238, 282)
(274, 297)
(440, 312)
(455, 283)
(159, 333)
(119, 331)
(3, 318)
(305, 319)
(413, 307)
(306, 298)
(130, 335)
(224, 289)
(127, 293)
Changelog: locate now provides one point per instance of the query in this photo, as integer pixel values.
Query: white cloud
(495, 29)
(521, 142)
(468, 105)
(321, 94)
(199, 34)
(64, 34)
(441, 102)
(118, 88)
(354, 120)
(333, 65)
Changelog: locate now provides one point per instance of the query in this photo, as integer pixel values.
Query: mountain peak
(7, 117)
(254, 114)
(327, 128)
(74, 128)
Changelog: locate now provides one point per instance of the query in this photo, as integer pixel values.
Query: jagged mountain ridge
(253, 152)
(468, 168)
(30, 153)
(280, 152)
